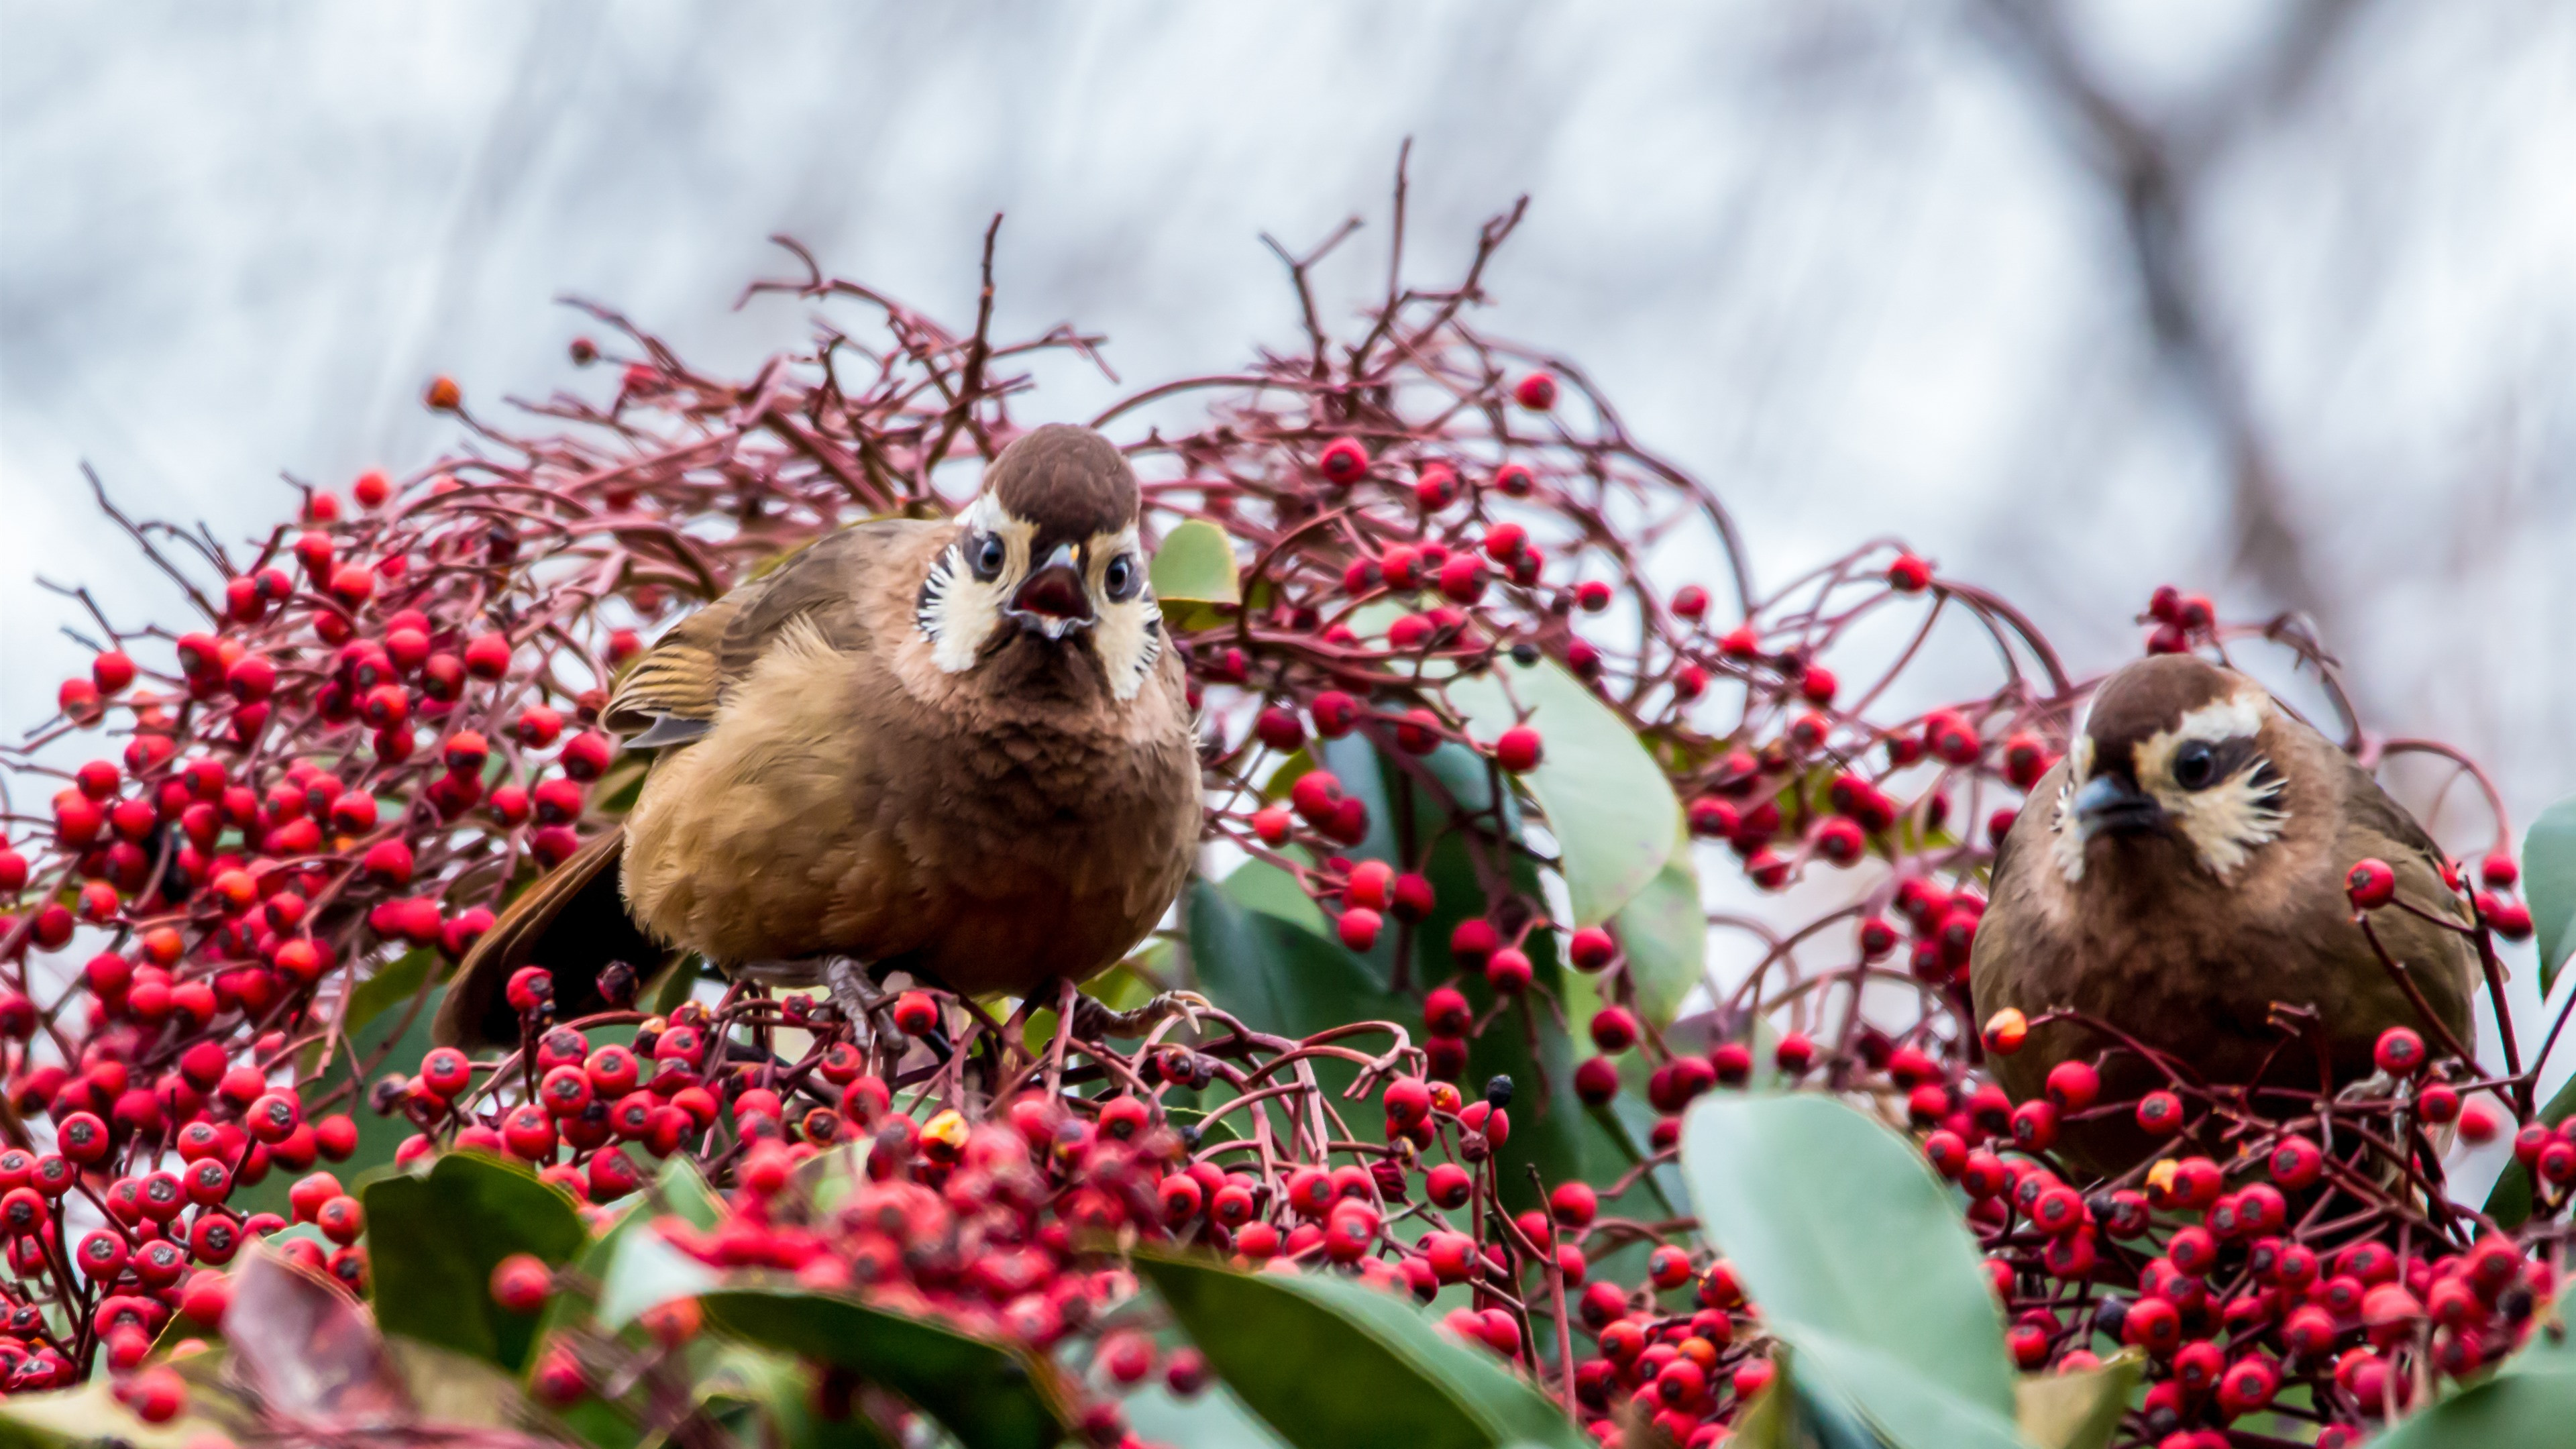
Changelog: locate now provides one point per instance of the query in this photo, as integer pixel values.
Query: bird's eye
(1120, 578)
(2195, 765)
(988, 557)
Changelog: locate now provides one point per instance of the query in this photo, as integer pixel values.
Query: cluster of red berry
(388, 719)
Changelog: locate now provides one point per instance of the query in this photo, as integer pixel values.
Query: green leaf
(2532, 1406)
(1550, 1128)
(394, 984)
(1277, 977)
(2549, 884)
(989, 1396)
(1664, 931)
(2077, 1410)
(1608, 804)
(2509, 1201)
(1849, 1244)
(647, 1272)
(433, 1240)
(1195, 565)
(1790, 1415)
(1214, 1418)
(1273, 891)
(781, 1390)
(1328, 1363)
(378, 1137)
(88, 1414)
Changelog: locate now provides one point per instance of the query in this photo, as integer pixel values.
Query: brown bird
(2179, 874)
(956, 748)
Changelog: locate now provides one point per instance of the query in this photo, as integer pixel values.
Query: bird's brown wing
(2442, 963)
(573, 920)
(672, 691)
(568, 920)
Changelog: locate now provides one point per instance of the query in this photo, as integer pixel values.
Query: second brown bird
(2180, 875)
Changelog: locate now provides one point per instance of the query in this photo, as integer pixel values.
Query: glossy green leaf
(780, 1392)
(646, 1272)
(1328, 1363)
(2549, 884)
(395, 1039)
(2529, 1405)
(88, 1415)
(1196, 565)
(989, 1396)
(2509, 1201)
(1273, 891)
(1663, 930)
(433, 1240)
(1275, 976)
(1861, 1265)
(393, 985)
(2079, 1410)
(1214, 1418)
(1550, 1127)
(1608, 804)
(1790, 1415)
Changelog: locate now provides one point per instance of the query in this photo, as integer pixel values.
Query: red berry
(1436, 488)
(1335, 714)
(487, 656)
(1596, 1081)
(1359, 927)
(916, 1013)
(1536, 392)
(1518, 749)
(1463, 578)
(465, 751)
(2160, 1113)
(1447, 1185)
(2399, 1052)
(1614, 1029)
(1794, 1053)
(1344, 462)
(2371, 884)
(1445, 1012)
(2073, 1085)
(1909, 575)
(1508, 971)
(1591, 948)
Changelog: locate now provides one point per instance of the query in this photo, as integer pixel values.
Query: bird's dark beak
(2112, 802)
(1052, 601)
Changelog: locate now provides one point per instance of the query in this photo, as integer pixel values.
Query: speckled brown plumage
(2189, 959)
(837, 792)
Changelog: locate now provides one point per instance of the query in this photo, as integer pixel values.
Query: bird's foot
(852, 992)
(1092, 1019)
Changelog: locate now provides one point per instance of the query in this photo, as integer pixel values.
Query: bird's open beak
(2110, 802)
(1052, 601)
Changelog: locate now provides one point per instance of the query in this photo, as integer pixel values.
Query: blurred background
(2276, 300)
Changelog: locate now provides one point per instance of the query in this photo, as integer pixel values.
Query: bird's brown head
(2173, 766)
(1048, 562)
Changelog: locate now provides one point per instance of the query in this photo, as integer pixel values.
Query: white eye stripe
(2238, 717)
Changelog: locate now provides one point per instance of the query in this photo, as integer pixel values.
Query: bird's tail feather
(572, 921)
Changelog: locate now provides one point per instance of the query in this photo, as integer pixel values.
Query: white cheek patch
(1129, 634)
(958, 612)
(2067, 842)
(2225, 821)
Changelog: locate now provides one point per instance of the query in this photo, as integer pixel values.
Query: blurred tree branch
(2159, 168)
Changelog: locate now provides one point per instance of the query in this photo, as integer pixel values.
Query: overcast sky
(1859, 264)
